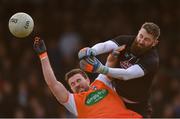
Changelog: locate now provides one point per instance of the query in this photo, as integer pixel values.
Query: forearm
(126, 74)
(58, 90)
(104, 47)
(48, 72)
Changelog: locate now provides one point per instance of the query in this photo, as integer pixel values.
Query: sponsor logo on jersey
(96, 96)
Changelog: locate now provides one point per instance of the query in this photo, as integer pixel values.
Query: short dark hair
(152, 29)
(73, 72)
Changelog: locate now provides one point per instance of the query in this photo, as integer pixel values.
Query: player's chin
(78, 91)
(81, 90)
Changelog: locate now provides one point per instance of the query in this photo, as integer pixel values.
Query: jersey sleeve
(70, 104)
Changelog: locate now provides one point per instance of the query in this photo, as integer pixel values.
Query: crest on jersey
(130, 60)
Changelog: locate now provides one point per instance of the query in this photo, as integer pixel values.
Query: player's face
(145, 40)
(78, 83)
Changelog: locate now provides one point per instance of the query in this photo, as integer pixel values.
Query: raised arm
(58, 90)
(104, 47)
(99, 48)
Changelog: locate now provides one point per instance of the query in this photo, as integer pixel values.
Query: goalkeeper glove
(93, 65)
(86, 52)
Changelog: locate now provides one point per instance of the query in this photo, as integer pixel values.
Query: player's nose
(77, 85)
(141, 40)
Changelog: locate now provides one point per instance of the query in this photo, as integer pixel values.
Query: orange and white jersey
(100, 101)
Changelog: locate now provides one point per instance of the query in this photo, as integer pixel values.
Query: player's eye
(140, 36)
(78, 80)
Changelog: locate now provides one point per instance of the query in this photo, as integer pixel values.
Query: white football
(21, 25)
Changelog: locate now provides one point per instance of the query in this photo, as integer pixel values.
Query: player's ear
(88, 80)
(155, 42)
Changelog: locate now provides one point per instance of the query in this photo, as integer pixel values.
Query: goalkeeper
(137, 64)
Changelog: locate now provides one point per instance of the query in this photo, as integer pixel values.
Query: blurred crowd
(69, 25)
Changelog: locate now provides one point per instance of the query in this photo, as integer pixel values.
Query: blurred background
(69, 25)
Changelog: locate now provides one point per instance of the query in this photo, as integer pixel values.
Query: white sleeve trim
(104, 47)
(135, 71)
(70, 104)
(105, 80)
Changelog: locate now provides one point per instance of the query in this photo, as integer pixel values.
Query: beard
(139, 49)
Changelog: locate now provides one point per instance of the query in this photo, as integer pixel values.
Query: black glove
(39, 46)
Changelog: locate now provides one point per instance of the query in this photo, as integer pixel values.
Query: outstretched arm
(58, 90)
(104, 47)
(97, 49)
(94, 65)
(132, 72)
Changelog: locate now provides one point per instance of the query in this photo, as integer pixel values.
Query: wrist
(43, 55)
(115, 54)
(103, 69)
(94, 53)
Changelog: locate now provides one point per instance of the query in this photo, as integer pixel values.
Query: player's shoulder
(152, 56)
(124, 39)
(102, 79)
(153, 53)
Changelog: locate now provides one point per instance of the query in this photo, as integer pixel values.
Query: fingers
(39, 46)
(86, 52)
(36, 41)
(82, 53)
(90, 60)
(86, 66)
(121, 48)
(82, 63)
(114, 54)
(117, 51)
